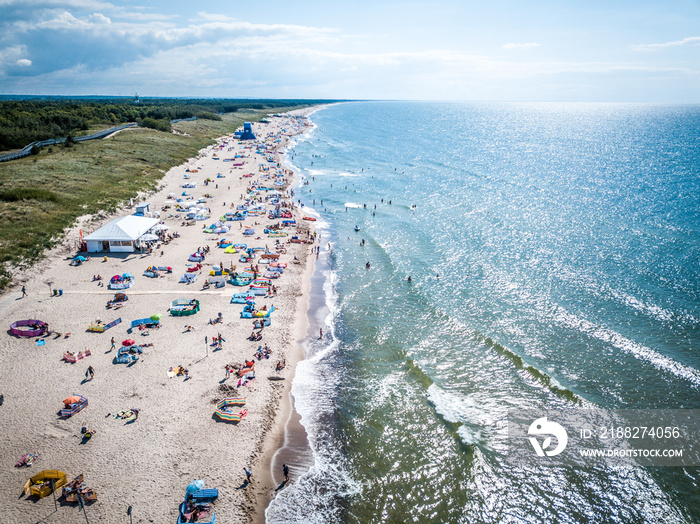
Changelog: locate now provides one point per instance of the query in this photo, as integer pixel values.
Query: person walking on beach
(90, 373)
(113, 344)
(320, 333)
(24, 291)
(285, 470)
(248, 474)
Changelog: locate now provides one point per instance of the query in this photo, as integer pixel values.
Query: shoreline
(287, 441)
(176, 436)
(276, 439)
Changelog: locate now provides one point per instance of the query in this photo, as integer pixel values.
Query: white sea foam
(476, 418)
(353, 205)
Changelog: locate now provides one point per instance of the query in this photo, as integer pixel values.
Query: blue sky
(496, 50)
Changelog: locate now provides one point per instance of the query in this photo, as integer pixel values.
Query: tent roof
(129, 227)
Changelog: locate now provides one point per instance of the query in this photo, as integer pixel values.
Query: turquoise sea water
(554, 253)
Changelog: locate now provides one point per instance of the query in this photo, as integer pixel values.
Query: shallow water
(553, 251)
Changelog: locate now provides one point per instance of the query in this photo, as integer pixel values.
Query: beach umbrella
(160, 227)
(128, 342)
(149, 237)
(71, 400)
(157, 316)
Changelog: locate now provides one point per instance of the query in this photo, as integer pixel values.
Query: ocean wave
(639, 351)
(652, 310)
(473, 419)
(313, 497)
(540, 376)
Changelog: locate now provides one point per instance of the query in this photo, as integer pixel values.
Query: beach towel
(129, 414)
(178, 370)
(27, 460)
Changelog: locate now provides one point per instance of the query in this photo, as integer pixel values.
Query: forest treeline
(27, 120)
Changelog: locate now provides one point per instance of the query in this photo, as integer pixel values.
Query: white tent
(120, 235)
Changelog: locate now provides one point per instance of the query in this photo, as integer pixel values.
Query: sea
(553, 251)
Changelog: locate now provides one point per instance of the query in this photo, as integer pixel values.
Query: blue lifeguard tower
(247, 133)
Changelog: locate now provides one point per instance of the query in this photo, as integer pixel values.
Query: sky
(462, 50)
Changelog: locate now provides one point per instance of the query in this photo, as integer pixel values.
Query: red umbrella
(128, 342)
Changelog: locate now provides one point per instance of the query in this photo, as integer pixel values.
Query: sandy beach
(140, 468)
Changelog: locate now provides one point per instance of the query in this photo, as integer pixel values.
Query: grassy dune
(42, 195)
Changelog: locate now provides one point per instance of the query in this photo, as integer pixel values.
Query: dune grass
(42, 195)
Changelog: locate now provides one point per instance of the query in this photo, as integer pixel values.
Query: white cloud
(690, 41)
(10, 55)
(99, 18)
(87, 45)
(527, 45)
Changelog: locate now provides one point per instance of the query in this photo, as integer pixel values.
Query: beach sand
(144, 466)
